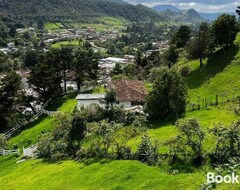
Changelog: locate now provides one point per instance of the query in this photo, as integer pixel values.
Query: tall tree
(225, 29)
(168, 96)
(85, 65)
(44, 80)
(182, 36)
(202, 44)
(9, 87)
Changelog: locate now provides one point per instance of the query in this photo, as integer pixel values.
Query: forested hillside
(77, 10)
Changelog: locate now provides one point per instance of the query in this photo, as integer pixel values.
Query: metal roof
(90, 96)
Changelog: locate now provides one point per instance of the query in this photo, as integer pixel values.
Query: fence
(203, 103)
(13, 130)
(50, 113)
(8, 152)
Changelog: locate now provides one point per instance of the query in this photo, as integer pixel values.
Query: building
(129, 93)
(88, 99)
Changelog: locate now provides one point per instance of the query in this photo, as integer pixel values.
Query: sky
(199, 5)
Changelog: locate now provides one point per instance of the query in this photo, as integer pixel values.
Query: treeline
(77, 10)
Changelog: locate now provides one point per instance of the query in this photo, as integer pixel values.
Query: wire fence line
(203, 103)
(9, 152)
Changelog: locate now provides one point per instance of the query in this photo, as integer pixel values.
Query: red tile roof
(130, 90)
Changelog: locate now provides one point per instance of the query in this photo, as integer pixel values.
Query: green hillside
(220, 73)
(103, 175)
(77, 10)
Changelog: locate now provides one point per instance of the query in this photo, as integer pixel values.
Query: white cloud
(199, 5)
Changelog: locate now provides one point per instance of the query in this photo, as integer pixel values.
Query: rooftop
(130, 90)
(90, 96)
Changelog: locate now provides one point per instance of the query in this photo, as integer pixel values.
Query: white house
(88, 99)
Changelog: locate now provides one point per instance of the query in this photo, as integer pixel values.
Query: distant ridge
(207, 16)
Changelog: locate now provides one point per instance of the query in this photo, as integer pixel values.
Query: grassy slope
(218, 73)
(115, 175)
(30, 135)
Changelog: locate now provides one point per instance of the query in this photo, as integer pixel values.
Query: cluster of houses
(106, 65)
(84, 33)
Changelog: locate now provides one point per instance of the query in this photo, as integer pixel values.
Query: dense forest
(77, 10)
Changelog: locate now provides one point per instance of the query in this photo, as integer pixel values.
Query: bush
(168, 96)
(148, 151)
(185, 70)
(228, 146)
(188, 144)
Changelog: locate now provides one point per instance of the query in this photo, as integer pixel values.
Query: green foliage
(45, 80)
(182, 36)
(202, 44)
(225, 29)
(59, 144)
(31, 58)
(63, 11)
(171, 55)
(227, 142)
(85, 65)
(190, 140)
(168, 95)
(117, 70)
(9, 87)
(148, 151)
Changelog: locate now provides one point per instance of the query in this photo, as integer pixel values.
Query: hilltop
(78, 10)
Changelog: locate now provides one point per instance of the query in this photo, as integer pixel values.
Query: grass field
(104, 23)
(220, 74)
(66, 43)
(103, 175)
(101, 24)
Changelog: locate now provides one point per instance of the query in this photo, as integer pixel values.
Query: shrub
(148, 151)
(168, 96)
(189, 141)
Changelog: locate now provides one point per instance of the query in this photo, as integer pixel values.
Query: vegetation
(168, 96)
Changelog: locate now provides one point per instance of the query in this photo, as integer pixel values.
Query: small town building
(129, 93)
(88, 99)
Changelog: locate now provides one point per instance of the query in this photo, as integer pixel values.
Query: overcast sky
(199, 5)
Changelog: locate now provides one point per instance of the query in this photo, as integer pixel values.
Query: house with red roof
(129, 93)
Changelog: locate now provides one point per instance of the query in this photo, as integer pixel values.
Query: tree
(45, 80)
(225, 29)
(168, 95)
(9, 87)
(31, 58)
(228, 138)
(182, 36)
(117, 70)
(202, 44)
(171, 55)
(85, 65)
(191, 136)
(238, 11)
(63, 61)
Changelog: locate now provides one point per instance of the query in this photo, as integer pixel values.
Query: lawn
(66, 43)
(104, 23)
(102, 175)
(52, 26)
